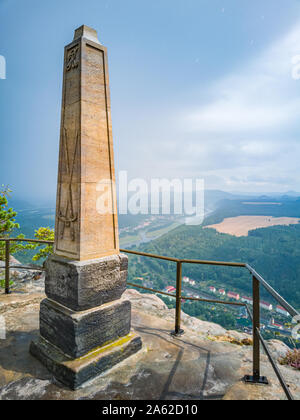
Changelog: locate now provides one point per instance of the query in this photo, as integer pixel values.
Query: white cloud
(231, 115)
(246, 135)
(260, 95)
(242, 135)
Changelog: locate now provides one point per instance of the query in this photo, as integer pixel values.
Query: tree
(8, 225)
(44, 234)
(7, 215)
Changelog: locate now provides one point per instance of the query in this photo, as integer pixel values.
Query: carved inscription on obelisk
(86, 162)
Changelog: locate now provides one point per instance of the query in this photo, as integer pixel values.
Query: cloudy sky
(200, 88)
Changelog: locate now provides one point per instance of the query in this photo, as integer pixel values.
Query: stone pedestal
(84, 323)
(82, 285)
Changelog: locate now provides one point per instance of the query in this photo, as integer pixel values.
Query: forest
(274, 252)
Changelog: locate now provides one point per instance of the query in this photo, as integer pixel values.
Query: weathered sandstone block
(80, 285)
(77, 333)
(75, 372)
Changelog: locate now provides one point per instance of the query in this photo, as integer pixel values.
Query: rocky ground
(206, 363)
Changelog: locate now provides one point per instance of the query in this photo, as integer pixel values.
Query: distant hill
(18, 204)
(273, 252)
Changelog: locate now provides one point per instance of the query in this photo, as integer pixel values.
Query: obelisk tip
(86, 32)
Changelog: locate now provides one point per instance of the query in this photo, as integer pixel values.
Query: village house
(267, 306)
(233, 295)
(282, 311)
(248, 300)
(191, 282)
(276, 325)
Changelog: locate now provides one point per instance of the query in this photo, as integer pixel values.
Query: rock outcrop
(207, 362)
(24, 279)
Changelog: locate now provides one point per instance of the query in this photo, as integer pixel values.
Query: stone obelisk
(85, 326)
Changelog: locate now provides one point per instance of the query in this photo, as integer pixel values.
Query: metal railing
(257, 281)
(7, 258)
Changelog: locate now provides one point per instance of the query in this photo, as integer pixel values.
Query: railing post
(256, 324)
(256, 378)
(178, 331)
(7, 277)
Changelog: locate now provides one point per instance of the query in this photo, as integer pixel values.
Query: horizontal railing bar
(160, 257)
(187, 297)
(143, 254)
(276, 296)
(223, 263)
(151, 290)
(275, 367)
(222, 302)
(273, 292)
(26, 240)
(28, 267)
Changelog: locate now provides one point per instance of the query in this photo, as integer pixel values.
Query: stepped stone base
(82, 285)
(75, 372)
(84, 323)
(77, 333)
